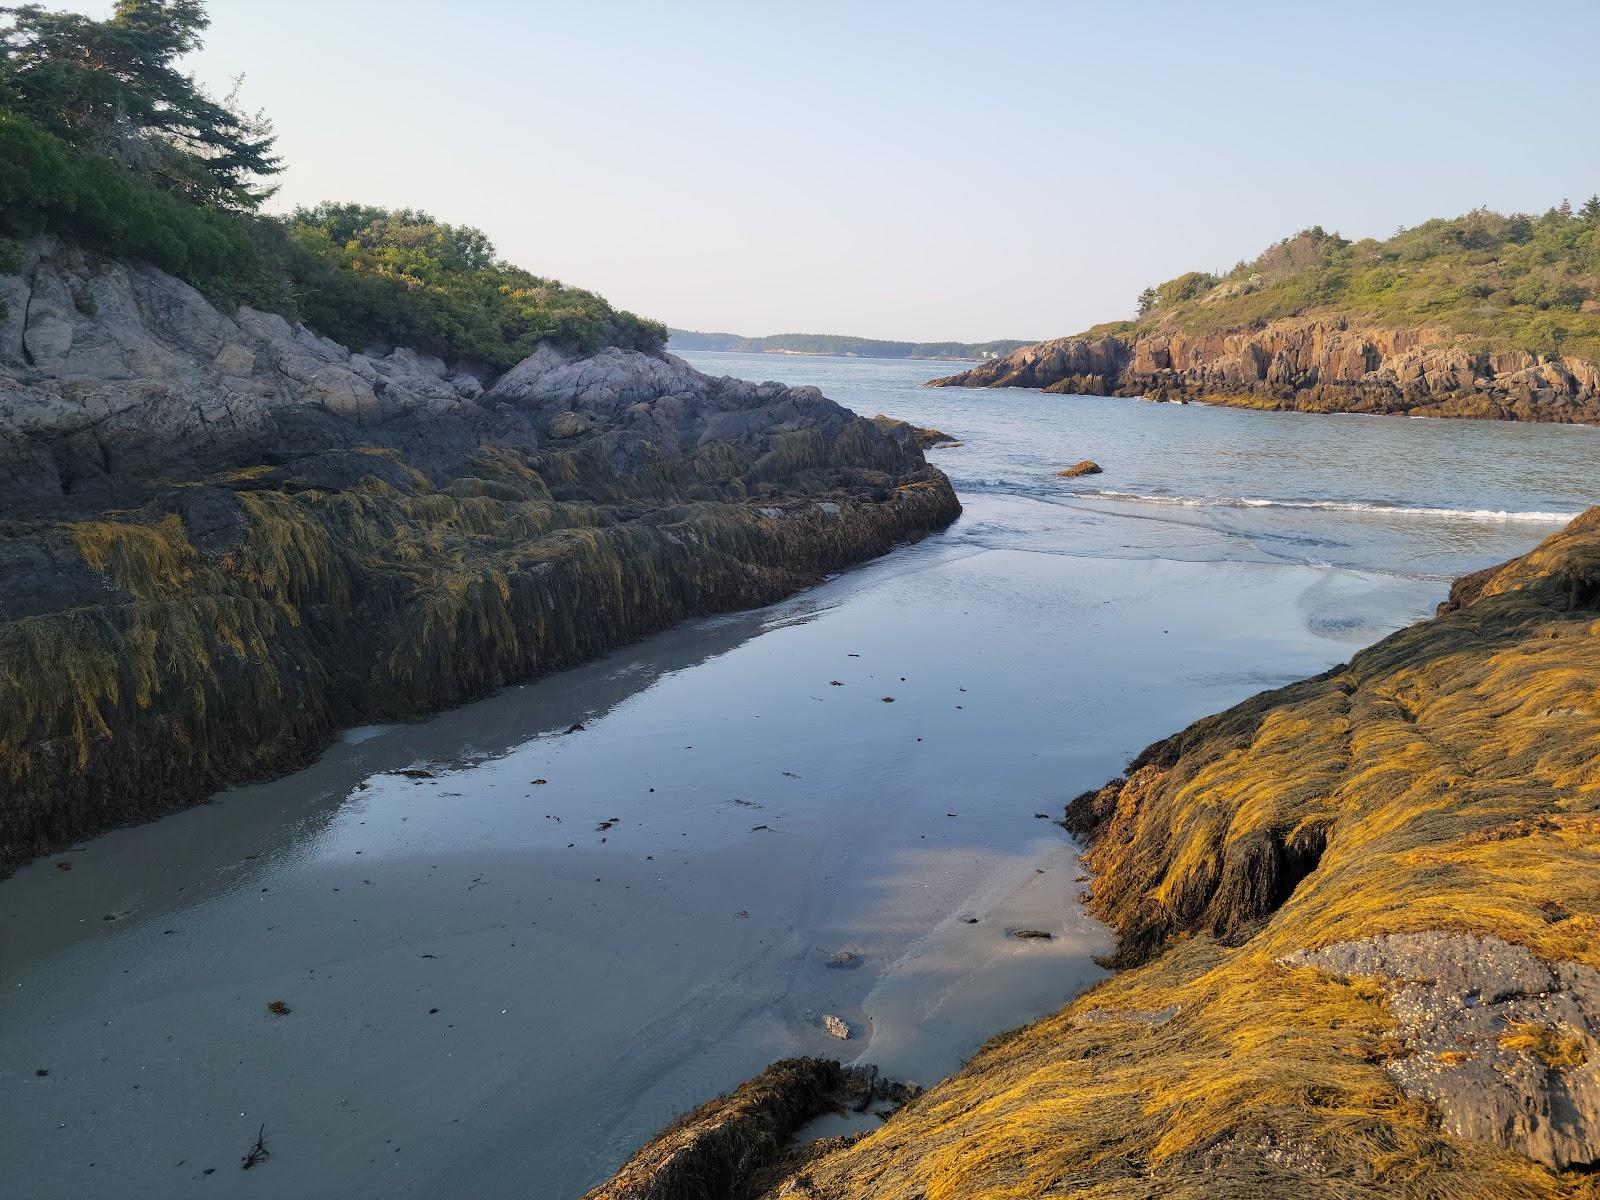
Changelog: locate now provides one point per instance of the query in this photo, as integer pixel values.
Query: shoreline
(1253, 404)
(632, 947)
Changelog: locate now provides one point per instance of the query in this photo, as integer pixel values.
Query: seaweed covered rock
(923, 436)
(737, 1146)
(226, 537)
(1359, 938)
(1087, 467)
(709, 1153)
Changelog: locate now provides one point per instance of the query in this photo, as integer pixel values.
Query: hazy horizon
(920, 173)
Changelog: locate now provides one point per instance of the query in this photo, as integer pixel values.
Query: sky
(922, 171)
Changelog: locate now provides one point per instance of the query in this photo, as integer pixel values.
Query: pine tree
(1591, 210)
(111, 87)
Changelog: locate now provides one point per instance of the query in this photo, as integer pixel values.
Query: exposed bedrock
(225, 537)
(1308, 365)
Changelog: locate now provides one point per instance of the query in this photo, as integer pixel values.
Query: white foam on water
(1354, 506)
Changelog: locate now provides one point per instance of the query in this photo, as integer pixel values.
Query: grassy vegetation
(1443, 780)
(1513, 282)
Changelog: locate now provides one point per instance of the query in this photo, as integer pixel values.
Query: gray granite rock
(114, 377)
(1502, 1043)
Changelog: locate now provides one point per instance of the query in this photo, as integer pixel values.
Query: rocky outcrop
(1078, 470)
(225, 537)
(1358, 936)
(925, 438)
(1500, 1042)
(1308, 364)
(732, 1146)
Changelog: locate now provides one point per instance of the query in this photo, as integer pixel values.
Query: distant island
(840, 346)
(1484, 315)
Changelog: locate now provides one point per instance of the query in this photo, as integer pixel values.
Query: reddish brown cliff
(1308, 365)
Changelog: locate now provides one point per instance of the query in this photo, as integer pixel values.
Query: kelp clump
(230, 537)
(1358, 922)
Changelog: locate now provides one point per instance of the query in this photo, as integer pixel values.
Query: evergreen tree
(1591, 210)
(111, 87)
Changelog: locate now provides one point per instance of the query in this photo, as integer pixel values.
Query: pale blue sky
(921, 170)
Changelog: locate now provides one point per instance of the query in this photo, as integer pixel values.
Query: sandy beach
(506, 973)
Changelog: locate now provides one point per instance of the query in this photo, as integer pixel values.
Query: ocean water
(503, 977)
(1409, 495)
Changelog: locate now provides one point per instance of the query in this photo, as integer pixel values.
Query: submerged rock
(1087, 467)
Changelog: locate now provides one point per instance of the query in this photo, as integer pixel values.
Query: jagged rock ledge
(1308, 365)
(226, 537)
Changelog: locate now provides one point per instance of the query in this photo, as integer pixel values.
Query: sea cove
(653, 921)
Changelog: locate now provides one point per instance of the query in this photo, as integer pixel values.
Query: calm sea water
(501, 979)
(1420, 497)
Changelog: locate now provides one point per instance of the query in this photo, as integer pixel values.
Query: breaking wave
(1352, 506)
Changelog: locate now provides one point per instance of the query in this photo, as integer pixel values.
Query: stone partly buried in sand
(227, 537)
(1359, 933)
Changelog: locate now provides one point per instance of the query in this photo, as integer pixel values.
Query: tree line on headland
(106, 143)
(1510, 282)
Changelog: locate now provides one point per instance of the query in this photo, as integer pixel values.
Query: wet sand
(491, 995)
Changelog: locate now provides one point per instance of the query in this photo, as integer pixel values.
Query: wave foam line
(1355, 506)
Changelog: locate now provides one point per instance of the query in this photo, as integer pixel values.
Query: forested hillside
(105, 142)
(1485, 316)
(1516, 282)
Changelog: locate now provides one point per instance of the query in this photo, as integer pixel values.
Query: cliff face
(1308, 365)
(224, 537)
(1358, 923)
